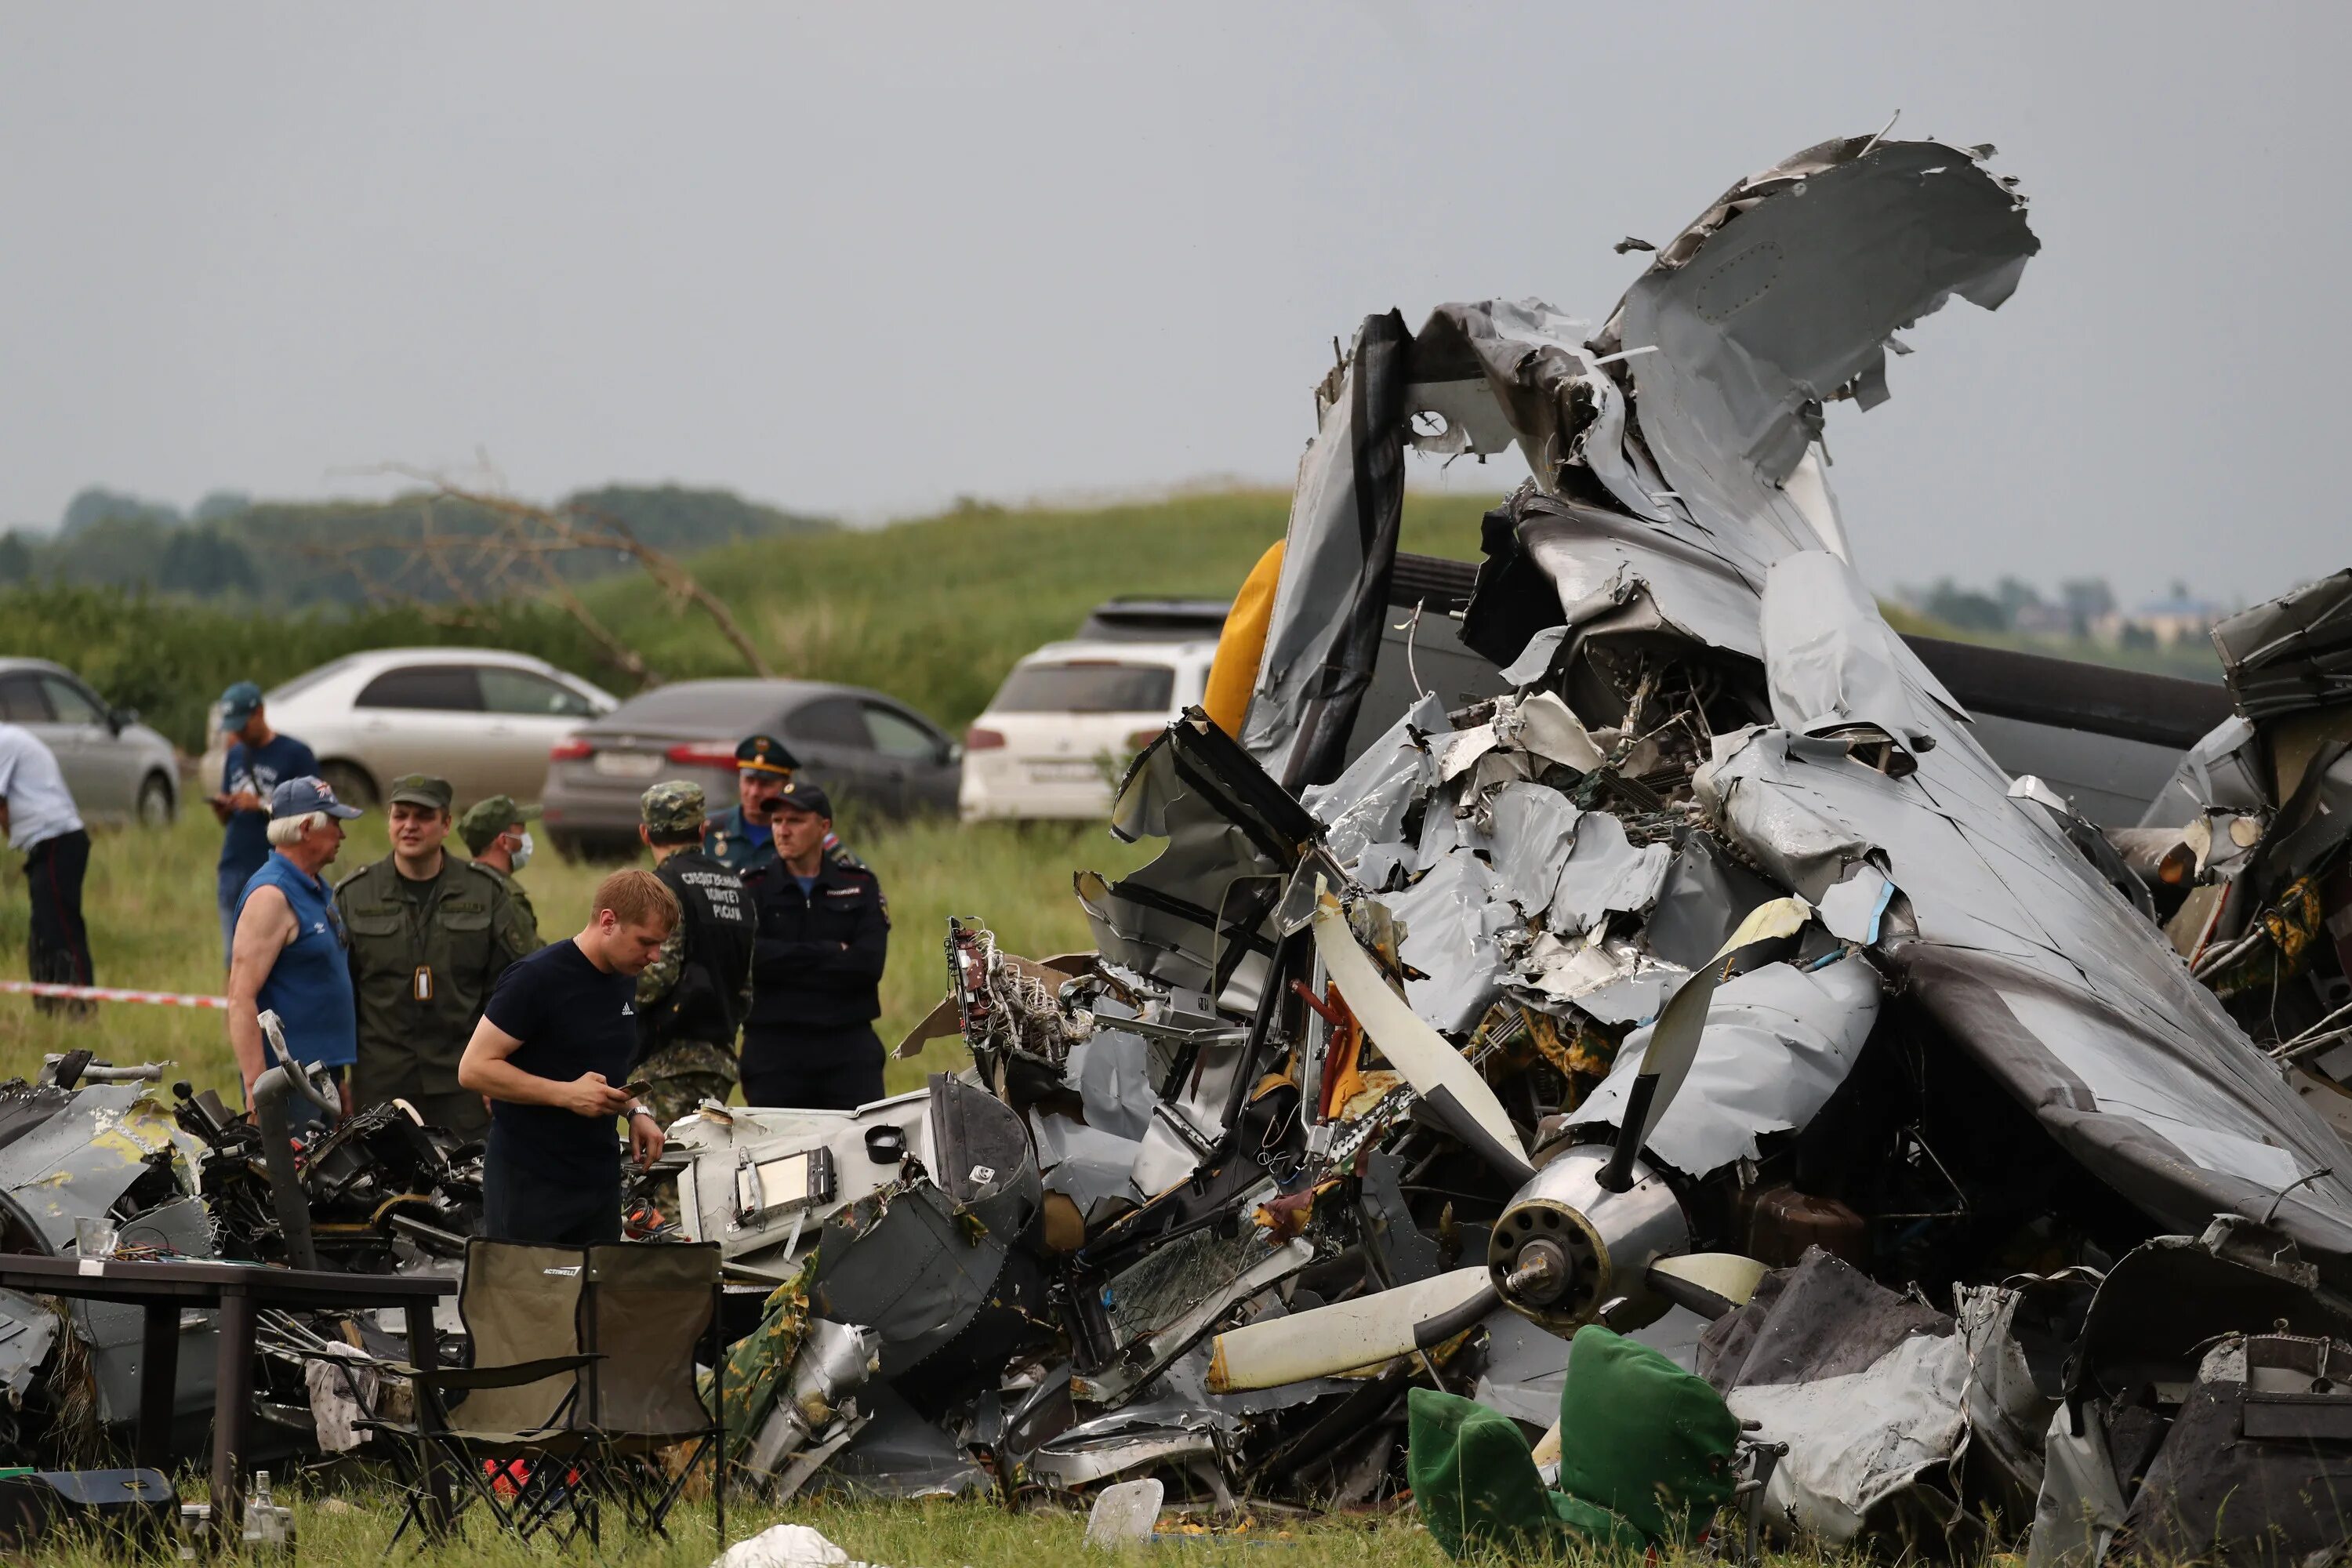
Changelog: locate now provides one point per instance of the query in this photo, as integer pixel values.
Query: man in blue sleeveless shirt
(289, 954)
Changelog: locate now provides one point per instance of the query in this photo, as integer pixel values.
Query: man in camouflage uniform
(496, 837)
(430, 934)
(742, 839)
(692, 998)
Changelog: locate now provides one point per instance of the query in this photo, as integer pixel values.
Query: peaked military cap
(765, 754)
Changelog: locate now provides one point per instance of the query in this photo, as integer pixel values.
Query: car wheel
(155, 802)
(351, 783)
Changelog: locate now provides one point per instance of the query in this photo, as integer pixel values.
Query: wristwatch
(637, 1111)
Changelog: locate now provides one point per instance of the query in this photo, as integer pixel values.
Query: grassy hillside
(936, 610)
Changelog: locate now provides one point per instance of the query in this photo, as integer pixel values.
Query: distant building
(2164, 622)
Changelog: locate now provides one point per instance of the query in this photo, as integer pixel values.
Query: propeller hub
(1565, 1244)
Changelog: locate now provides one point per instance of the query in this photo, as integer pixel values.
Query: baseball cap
(803, 795)
(299, 798)
(238, 703)
(420, 789)
(486, 819)
(673, 805)
(765, 754)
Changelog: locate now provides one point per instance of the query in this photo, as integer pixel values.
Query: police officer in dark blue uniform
(741, 838)
(816, 967)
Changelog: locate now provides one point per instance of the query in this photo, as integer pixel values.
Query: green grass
(152, 927)
(895, 1535)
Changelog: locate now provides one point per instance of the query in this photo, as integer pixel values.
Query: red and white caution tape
(108, 993)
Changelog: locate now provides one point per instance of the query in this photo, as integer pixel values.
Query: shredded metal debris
(1696, 968)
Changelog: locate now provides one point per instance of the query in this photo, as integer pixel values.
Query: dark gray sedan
(859, 744)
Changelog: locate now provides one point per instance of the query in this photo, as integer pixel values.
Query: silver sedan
(118, 769)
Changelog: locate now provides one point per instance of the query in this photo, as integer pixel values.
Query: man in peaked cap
(496, 838)
(692, 998)
(824, 936)
(742, 839)
(430, 935)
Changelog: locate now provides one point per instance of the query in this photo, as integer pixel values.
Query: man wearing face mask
(430, 935)
(496, 837)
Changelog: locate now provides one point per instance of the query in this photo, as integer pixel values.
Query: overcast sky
(864, 259)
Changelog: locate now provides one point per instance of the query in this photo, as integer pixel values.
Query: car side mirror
(120, 718)
(952, 753)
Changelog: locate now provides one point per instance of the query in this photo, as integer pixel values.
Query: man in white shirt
(36, 812)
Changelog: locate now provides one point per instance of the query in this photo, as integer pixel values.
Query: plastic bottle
(268, 1525)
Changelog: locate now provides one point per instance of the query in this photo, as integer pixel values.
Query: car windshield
(736, 708)
(1088, 686)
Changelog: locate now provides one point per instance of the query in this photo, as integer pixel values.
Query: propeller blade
(1674, 1040)
(1711, 1284)
(1326, 1341)
(1423, 1055)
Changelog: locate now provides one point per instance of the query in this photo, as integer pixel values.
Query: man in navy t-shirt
(259, 759)
(553, 1053)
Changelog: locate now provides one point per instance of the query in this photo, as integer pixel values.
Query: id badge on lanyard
(421, 987)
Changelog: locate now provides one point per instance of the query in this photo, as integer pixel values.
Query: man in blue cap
(259, 759)
(816, 967)
(288, 953)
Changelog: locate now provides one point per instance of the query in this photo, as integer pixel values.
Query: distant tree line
(303, 554)
(2013, 605)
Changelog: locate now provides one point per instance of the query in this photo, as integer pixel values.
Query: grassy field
(935, 610)
(893, 1535)
(152, 927)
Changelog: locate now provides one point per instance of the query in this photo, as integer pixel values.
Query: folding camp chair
(644, 1311)
(512, 1425)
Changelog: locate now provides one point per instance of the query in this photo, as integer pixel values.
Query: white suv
(1062, 728)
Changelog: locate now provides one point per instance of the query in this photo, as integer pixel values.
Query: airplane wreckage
(1695, 1041)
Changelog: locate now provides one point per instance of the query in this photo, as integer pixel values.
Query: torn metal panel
(2290, 653)
(1834, 664)
(81, 1159)
(1760, 322)
(898, 1454)
(1607, 873)
(1112, 1069)
(2221, 770)
(1325, 627)
(1565, 408)
(1178, 921)
(1867, 1387)
(1451, 917)
(2081, 1503)
(1778, 1042)
(1530, 832)
(1368, 803)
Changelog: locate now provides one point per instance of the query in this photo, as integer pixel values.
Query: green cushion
(1642, 1438)
(1475, 1481)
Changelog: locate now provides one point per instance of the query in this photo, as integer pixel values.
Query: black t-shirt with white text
(572, 1018)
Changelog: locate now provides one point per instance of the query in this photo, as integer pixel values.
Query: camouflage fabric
(655, 979)
(486, 819)
(685, 1073)
(524, 913)
(672, 806)
(757, 1362)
